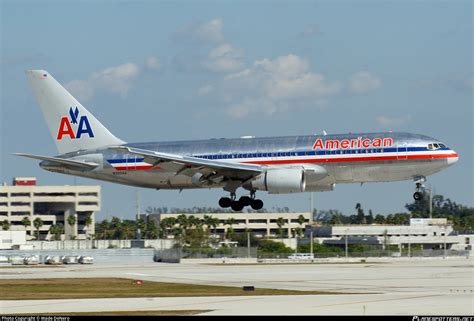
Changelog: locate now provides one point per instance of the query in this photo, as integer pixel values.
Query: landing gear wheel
(418, 196)
(236, 206)
(256, 204)
(225, 202)
(245, 200)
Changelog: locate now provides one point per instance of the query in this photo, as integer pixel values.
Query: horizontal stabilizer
(62, 161)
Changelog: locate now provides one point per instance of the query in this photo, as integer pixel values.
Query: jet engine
(281, 181)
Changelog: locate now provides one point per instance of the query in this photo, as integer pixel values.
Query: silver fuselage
(407, 158)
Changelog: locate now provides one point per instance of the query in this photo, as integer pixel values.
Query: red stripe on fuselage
(352, 159)
(137, 168)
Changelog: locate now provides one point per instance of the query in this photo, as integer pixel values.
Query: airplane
(277, 165)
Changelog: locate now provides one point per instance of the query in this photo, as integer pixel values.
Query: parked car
(301, 256)
(86, 259)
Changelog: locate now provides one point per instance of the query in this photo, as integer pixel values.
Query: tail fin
(72, 126)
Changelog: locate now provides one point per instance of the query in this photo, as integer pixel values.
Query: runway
(410, 287)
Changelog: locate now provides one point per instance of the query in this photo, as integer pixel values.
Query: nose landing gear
(418, 195)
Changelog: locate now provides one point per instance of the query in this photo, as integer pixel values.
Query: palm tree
(301, 221)
(6, 225)
(280, 222)
(207, 221)
(230, 221)
(56, 230)
(214, 222)
(38, 222)
(183, 222)
(26, 222)
(88, 222)
(71, 220)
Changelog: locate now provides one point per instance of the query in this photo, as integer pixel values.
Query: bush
(271, 247)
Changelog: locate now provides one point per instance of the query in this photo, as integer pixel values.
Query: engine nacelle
(281, 181)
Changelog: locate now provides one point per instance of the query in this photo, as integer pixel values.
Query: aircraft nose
(453, 159)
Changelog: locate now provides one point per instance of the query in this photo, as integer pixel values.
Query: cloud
(224, 58)
(210, 53)
(115, 80)
(272, 86)
(205, 90)
(152, 63)
(363, 82)
(390, 122)
(208, 32)
(286, 77)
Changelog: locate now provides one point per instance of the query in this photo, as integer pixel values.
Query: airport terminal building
(259, 224)
(52, 204)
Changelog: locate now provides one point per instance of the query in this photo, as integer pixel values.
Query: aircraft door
(402, 151)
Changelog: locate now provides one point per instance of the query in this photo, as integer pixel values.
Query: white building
(429, 233)
(52, 204)
(10, 239)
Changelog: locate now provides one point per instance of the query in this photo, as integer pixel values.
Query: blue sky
(152, 70)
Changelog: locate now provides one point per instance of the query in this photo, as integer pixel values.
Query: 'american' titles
(358, 142)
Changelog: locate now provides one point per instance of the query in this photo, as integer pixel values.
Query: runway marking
(381, 300)
(247, 298)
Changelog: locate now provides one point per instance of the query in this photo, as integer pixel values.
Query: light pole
(444, 242)
(311, 223)
(430, 199)
(346, 245)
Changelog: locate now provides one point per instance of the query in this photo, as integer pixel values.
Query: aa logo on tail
(65, 127)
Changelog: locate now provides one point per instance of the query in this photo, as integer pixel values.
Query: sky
(173, 70)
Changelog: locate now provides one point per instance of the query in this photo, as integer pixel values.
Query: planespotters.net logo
(417, 318)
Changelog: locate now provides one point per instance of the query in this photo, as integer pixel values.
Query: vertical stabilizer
(72, 126)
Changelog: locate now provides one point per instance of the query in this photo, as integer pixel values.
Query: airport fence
(243, 252)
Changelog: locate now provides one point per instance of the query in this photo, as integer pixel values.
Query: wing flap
(189, 165)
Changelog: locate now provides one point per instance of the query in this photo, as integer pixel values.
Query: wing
(61, 161)
(212, 171)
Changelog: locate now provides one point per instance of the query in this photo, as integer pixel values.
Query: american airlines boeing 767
(278, 165)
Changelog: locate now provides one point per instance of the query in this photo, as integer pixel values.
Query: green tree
(280, 222)
(38, 223)
(370, 218)
(56, 230)
(151, 230)
(6, 225)
(301, 220)
(230, 232)
(266, 247)
(379, 219)
(88, 222)
(360, 217)
(166, 224)
(26, 222)
(71, 220)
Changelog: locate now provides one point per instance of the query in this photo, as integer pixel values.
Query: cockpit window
(436, 146)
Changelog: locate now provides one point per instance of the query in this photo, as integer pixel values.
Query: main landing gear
(418, 195)
(238, 205)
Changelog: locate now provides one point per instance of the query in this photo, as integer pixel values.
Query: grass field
(83, 288)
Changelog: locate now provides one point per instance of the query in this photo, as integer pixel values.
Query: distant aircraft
(289, 164)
